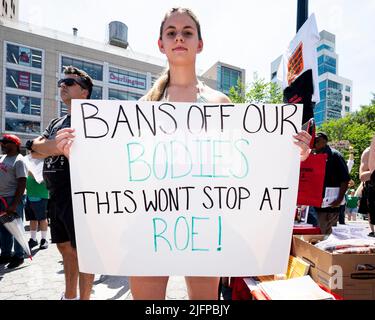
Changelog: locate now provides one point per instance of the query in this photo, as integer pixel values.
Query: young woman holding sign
(180, 40)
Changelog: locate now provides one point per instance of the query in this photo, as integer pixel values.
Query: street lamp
(302, 12)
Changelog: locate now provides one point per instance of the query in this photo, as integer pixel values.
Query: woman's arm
(364, 171)
(371, 161)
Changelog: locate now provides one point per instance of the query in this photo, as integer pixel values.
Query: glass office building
(335, 91)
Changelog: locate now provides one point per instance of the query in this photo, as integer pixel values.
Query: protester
(180, 40)
(364, 175)
(76, 84)
(351, 202)
(336, 176)
(13, 173)
(371, 162)
(369, 173)
(350, 164)
(36, 211)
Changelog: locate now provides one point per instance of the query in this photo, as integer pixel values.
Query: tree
(358, 128)
(259, 91)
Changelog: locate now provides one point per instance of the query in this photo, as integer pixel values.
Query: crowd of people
(180, 39)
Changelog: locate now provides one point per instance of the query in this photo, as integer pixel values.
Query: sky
(246, 33)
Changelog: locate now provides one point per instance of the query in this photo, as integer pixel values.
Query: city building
(9, 9)
(225, 76)
(32, 60)
(335, 91)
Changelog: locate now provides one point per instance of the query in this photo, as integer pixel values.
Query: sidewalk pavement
(43, 279)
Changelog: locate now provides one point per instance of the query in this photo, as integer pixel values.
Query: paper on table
(301, 288)
(330, 196)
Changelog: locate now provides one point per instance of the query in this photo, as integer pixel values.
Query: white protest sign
(184, 189)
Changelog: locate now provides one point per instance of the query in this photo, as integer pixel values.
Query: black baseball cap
(321, 135)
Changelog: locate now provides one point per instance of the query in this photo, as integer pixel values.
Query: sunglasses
(70, 82)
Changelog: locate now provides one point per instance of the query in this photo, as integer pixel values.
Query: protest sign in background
(184, 189)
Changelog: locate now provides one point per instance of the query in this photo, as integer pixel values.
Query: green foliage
(358, 128)
(259, 91)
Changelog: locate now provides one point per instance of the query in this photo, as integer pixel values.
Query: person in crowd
(367, 175)
(351, 202)
(36, 211)
(336, 178)
(76, 84)
(13, 173)
(350, 164)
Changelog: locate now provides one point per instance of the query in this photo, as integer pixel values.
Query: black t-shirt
(56, 172)
(336, 169)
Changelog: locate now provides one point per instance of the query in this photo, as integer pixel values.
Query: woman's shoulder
(214, 96)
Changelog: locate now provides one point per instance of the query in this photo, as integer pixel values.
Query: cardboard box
(351, 276)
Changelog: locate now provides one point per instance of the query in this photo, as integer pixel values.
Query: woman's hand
(303, 142)
(64, 140)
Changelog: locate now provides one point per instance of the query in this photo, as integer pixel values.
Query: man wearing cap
(76, 84)
(13, 173)
(337, 178)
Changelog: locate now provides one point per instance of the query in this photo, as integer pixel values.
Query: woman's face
(180, 40)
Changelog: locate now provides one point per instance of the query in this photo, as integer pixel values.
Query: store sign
(184, 188)
(126, 80)
(23, 80)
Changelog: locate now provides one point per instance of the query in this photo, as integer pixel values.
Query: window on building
(127, 78)
(347, 109)
(333, 114)
(347, 88)
(274, 74)
(334, 85)
(22, 104)
(324, 46)
(326, 64)
(229, 78)
(22, 126)
(322, 85)
(24, 56)
(94, 70)
(347, 99)
(323, 94)
(114, 94)
(23, 80)
(97, 93)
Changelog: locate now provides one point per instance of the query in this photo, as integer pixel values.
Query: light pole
(302, 12)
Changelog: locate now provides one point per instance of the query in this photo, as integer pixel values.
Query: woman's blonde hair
(157, 90)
